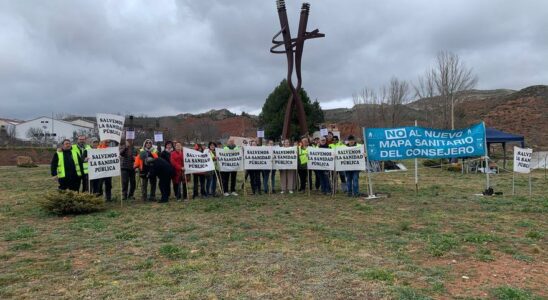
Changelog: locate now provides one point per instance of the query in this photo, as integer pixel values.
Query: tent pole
(504, 150)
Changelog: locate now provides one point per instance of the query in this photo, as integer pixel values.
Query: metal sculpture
(293, 46)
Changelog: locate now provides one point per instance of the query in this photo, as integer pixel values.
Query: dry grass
(408, 246)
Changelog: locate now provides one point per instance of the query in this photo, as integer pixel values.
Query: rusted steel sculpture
(293, 46)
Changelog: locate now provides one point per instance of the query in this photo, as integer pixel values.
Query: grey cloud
(162, 57)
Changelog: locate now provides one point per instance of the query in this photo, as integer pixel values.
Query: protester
(255, 176)
(95, 184)
(81, 149)
(199, 179)
(168, 148)
(159, 167)
(144, 153)
(105, 183)
(316, 144)
(211, 180)
(325, 184)
(65, 167)
(329, 138)
(127, 159)
(230, 176)
(287, 177)
(179, 177)
(165, 154)
(337, 144)
(303, 165)
(267, 173)
(352, 177)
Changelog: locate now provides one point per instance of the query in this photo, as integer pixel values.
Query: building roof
(49, 118)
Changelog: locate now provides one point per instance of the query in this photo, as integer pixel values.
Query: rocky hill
(523, 112)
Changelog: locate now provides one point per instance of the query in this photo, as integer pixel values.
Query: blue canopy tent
(495, 136)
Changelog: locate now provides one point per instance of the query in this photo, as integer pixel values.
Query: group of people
(165, 168)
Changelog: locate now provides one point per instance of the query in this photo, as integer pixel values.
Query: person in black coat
(68, 173)
(164, 171)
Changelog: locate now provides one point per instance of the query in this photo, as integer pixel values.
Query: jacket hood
(145, 142)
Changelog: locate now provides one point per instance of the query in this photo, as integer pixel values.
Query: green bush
(71, 203)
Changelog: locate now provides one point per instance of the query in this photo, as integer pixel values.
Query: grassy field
(442, 243)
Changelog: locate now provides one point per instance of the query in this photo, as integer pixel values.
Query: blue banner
(419, 142)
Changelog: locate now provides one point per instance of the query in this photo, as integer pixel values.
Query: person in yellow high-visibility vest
(337, 144)
(303, 172)
(65, 167)
(81, 148)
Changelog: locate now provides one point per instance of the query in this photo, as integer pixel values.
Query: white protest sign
(323, 132)
(197, 162)
(229, 160)
(260, 133)
(522, 159)
(103, 162)
(257, 158)
(350, 158)
(321, 159)
(130, 135)
(158, 137)
(110, 127)
(284, 158)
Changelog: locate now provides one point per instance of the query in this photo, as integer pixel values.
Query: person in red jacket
(179, 177)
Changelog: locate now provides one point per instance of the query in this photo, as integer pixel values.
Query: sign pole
(486, 169)
(545, 160)
(416, 171)
(530, 186)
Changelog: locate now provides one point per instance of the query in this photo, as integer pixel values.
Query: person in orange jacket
(140, 166)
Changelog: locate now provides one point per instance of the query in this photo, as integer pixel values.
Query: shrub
(69, 202)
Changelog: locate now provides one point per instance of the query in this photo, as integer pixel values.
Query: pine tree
(273, 113)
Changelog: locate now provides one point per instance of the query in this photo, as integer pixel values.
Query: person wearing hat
(352, 177)
(140, 166)
(159, 167)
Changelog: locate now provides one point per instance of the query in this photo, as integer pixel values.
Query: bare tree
(425, 90)
(452, 77)
(366, 108)
(397, 95)
(36, 135)
(447, 81)
(384, 107)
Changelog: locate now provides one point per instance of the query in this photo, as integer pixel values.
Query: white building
(49, 129)
(8, 125)
(83, 123)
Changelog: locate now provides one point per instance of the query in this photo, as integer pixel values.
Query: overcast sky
(166, 57)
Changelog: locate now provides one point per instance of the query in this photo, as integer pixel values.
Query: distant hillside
(523, 112)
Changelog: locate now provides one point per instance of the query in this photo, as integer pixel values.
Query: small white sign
(130, 135)
(158, 137)
(260, 133)
(104, 162)
(522, 160)
(323, 131)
